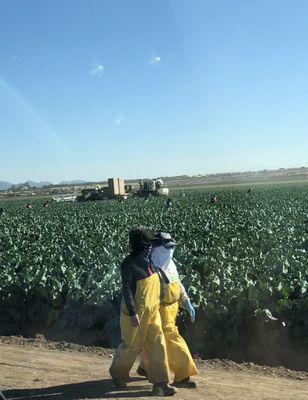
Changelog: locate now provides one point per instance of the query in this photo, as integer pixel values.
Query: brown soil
(39, 369)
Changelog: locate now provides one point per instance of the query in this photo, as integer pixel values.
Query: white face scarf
(162, 258)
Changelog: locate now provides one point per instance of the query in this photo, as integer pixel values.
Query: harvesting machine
(154, 187)
(114, 190)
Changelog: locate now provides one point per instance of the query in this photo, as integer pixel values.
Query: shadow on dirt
(75, 391)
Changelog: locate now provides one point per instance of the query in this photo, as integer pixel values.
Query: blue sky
(97, 88)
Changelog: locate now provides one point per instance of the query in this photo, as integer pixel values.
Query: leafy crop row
(243, 258)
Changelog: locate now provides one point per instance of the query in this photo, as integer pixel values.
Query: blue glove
(190, 309)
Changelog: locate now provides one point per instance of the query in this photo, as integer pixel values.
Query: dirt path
(34, 371)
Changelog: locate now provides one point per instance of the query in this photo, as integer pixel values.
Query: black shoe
(2, 396)
(142, 372)
(118, 383)
(187, 383)
(163, 389)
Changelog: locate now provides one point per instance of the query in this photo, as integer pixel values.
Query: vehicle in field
(152, 187)
(114, 190)
(60, 198)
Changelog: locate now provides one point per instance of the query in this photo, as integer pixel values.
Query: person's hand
(134, 320)
(190, 309)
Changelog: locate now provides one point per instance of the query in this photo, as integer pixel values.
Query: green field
(242, 259)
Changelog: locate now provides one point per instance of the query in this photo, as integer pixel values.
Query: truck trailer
(114, 190)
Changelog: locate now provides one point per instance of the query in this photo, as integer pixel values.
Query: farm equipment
(114, 190)
(61, 198)
(155, 187)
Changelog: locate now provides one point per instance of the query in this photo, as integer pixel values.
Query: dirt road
(34, 370)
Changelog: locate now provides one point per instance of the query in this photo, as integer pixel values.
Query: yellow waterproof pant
(180, 360)
(149, 334)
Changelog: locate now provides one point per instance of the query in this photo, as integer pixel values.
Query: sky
(91, 89)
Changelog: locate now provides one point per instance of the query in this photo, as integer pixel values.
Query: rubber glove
(190, 309)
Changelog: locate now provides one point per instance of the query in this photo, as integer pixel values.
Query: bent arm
(183, 296)
(127, 290)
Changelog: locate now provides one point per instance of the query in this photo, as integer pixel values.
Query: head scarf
(161, 257)
(140, 239)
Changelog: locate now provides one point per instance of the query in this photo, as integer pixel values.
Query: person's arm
(185, 303)
(183, 296)
(127, 289)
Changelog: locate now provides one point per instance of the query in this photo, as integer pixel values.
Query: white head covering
(162, 258)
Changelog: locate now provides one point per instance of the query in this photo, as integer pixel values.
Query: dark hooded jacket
(134, 268)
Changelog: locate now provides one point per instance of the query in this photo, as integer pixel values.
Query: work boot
(118, 383)
(187, 383)
(142, 372)
(163, 389)
(2, 396)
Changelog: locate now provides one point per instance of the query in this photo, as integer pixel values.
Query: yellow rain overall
(149, 334)
(179, 357)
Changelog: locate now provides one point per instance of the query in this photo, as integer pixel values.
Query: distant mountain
(4, 185)
(74, 182)
(37, 184)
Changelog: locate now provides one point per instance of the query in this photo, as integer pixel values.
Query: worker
(28, 206)
(169, 203)
(140, 319)
(1, 211)
(213, 199)
(173, 294)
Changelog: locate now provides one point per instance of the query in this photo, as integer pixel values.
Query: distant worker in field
(213, 199)
(28, 206)
(46, 204)
(122, 198)
(169, 203)
(173, 294)
(1, 211)
(140, 318)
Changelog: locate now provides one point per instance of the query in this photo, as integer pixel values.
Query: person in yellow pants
(173, 293)
(140, 318)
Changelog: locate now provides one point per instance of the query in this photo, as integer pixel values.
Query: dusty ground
(36, 369)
